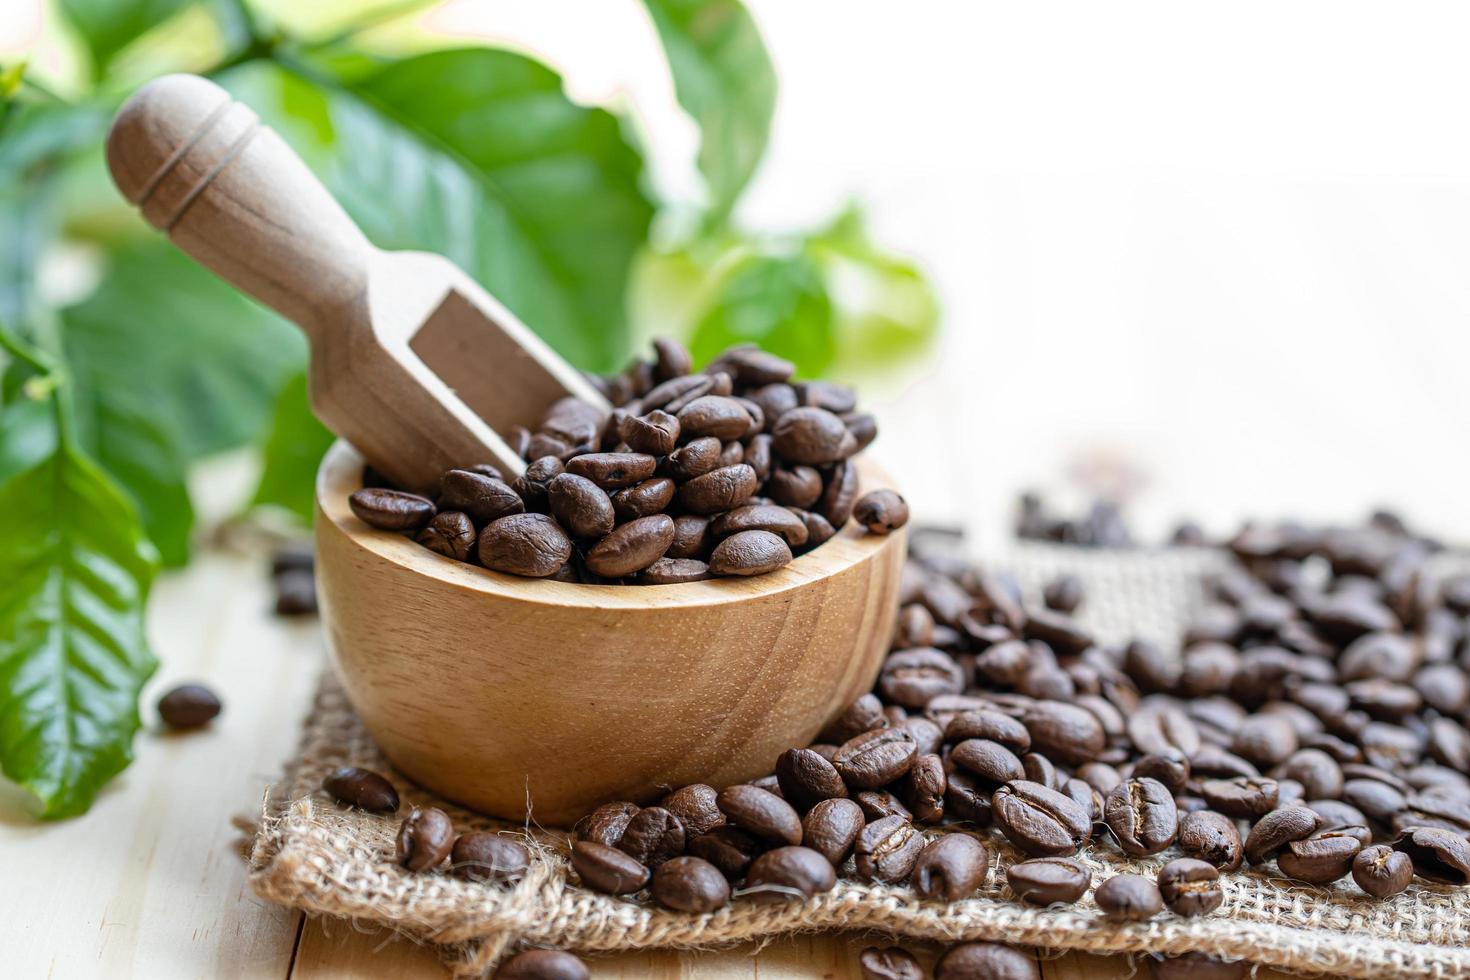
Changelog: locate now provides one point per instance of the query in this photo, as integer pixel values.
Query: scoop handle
(230, 192)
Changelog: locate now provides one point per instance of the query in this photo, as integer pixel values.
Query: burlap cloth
(311, 854)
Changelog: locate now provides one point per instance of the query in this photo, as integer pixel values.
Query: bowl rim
(340, 473)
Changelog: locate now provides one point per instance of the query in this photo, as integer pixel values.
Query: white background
(1217, 253)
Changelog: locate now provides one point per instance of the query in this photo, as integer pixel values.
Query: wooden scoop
(411, 360)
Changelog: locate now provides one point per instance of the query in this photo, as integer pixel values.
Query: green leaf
(293, 448)
(75, 569)
(724, 78)
(108, 26)
(478, 155)
(779, 302)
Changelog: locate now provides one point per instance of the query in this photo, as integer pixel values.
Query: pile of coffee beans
(1315, 720)
(729, 471)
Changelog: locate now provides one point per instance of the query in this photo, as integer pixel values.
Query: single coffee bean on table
(361, 788)
(890, 963)
(189, 706)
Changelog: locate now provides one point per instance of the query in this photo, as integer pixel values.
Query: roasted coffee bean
(1159, 728)
(839, 493)
(986, 961)
(1435, 810)
(654, 434)
(1244, 797)
(912, 678)
(484, 856)
(188, 706)
(573, 421)
(1045, 881)
(1335, 813)
(653, 836)
(671, 360)
(1190, 887)
(451, 534)
(727, 848)
(887, 849)
(1212, 837)
(607, 869)
(761, 813)
(1100, 776)
(1147, 664)
(1005, 663)
(1171, 768)
(795, 486)
(719, 490)
(1040, 821)
(482, 498)
(606, 824)
(1063, 593)
(543, 964)
(674, 571)
(950, 867)
(807, 779)
(697, 808)
(1387, 656)
(1207, 668)
(1319, 773)
(928, 737)
(1215, 763)
(1438, 854)
(691, 537)
(774, 400)
(532, 545)
(425, 839)
(1382, 871)
(863, 715)
(1140, 812)
(831, 828)
(690, 884)
(631, 547)
(1378, 800)
(1056, 630)
(1064, 733)
(812, 436)
(749, 553)
(694, 459)
(967, 798)
(643, 499)
(296, 590)
(991, 726)
(1323, 857)
(875, 758)
(1129, 898)
(391, 510)
(532, 484)
(788, 872)
(989, 760)
(877, 804)
(613, 471)
(891, 963)
(361, 788)
(923, 789)
(881, 511)
(714, 416)
(1038, 769)
(581, 506)
(1198, 966)
(1264, 740)
(818, 528)
(1277, 829)
(761, 517)
(1449, 744)
(1084, 796)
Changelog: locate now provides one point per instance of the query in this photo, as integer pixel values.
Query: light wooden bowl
(517, 696)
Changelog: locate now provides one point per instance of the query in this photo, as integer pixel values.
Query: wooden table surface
(151, 883)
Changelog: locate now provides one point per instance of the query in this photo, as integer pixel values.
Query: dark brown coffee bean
(643, 499)
(923, 789)
(839, 494)
(950, 867)
(654, 434)
(761, 517)
(613, 471)
(987, 961)
(296, 591)
(690, 884)
(484, 856)
(631, 547)
(1064, 733)
(671, 360)
(881, 511)
(1264, 740)
(912, 678)
(1063, 594)
(1387, 656)
(1277, 829)
(818, 529)
(1449, 744)
(786, 873)
(361, 788)
(761, 813)
(1378, 800)
(1198, 966)
(581, 506)
(719, 490)
(891, 963)
(1046, 881)
(990, 725)
(878, 803)
(967, 798)
(749, 553)
(796, 486)
(542, 964)
(1140, 812)
(1040, 821)
(1213, 837)
(451, 534)
(532, 545)
(714, 416)
(1100, 776)
(1146, 663)
(831, 828)
(543, 445)
(691, 537)
(1129, 898)
(607, 869)
(532, 484)
(696, 807)
(863, 715)
(727, 848)
(1438, 854)
(1215, 763)
(863, 426)
(1191, 887)
(1006, 662)
(425, 839)
(1382, 871)
(188, 706)
(1319, 773)
(653, 836)
(573, 421)
(606, 824)
(1170, 768)
(875, 758)
(674, 571)
(812, 436)
(807, 779)
(990, 761)
(928, 737)
(1081, 793)
(482, 498)
(1323, 857)
(1244, 797)
(391, 510)
(1158, 728)
(887, 849)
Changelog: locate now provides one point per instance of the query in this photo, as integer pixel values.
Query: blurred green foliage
(107, 399)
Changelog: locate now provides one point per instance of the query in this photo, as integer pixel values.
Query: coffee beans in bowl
(731, 471)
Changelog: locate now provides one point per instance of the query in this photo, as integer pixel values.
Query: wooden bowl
(521, 696)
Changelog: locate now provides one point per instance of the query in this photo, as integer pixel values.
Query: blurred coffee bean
(189, 706)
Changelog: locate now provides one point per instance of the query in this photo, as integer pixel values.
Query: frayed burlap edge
(313, 855)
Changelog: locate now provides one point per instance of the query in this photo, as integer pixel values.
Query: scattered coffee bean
(583, 508)
(479, 497)
(542, 964)
(607, 869)
(1064, 594)
(1438, 855)
(891, 963)
(950, 867)
(697, 808)
(485, 856)
(631, 547)
(1382, 871)
(1129, 898)
(1323, 857)
(189, 706)
(1277, 829)
(1244, 797)
(987, 961)
(1211, 837)
(1191, 887)
(881, 511)
(361, 788)
(788, 872)
(690, 884)
(1141, 814)
(1046, 881)
(425, 838)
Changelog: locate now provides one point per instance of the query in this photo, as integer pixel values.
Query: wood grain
(502, 692)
